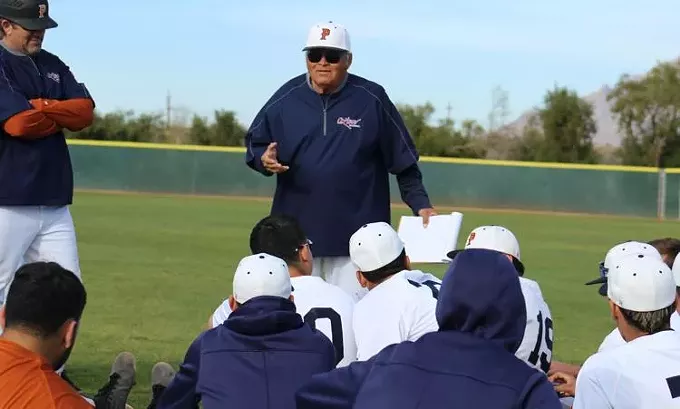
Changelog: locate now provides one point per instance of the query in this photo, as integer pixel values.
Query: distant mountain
(607, 128)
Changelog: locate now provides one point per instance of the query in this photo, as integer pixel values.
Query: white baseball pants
(35, 233)
(339, 271)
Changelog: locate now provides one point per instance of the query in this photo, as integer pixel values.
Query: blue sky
(228, 54)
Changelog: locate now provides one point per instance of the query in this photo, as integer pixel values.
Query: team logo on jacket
(53, 76)
(349, 122)
(325, 32)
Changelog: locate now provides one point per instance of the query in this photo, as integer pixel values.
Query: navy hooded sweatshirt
(469, 363)
(340, 149)
(256, 359)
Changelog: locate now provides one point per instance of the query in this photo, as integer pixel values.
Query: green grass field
(156, 267)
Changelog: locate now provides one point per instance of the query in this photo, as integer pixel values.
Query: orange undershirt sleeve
(30, 124)
(73, 114)
(50, 116)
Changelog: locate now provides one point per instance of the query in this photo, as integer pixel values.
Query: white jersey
(323, 306)
(400, 308)
(537, 344)
(641, 374)
(428, 280)
(614, 338)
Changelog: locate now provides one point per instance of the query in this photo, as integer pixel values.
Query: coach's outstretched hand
(270, 160)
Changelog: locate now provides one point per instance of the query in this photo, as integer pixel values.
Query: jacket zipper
(35, 66)
(325, 111)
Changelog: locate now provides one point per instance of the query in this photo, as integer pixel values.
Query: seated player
(322, 305)
(400, 304)
(613, 339)
(469, 363)
(40, 317)
(645, 371)
(537, 345)
(260, 355)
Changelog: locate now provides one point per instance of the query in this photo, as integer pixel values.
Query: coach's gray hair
(650, 322)
(347, 57)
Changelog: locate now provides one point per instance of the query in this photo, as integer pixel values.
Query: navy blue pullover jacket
(35, 172)
(256, 359)
(341, 149)
(469, 363)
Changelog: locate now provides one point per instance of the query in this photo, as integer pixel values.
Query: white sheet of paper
(430, 244)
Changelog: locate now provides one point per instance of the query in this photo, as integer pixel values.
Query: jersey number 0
(336, 328)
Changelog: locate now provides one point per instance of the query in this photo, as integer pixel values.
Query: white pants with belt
(339, 271)
(35, 233)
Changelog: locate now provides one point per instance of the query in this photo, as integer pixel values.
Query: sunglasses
(306, 242)
(332, 56)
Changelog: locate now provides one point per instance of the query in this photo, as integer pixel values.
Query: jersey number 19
(545, 330)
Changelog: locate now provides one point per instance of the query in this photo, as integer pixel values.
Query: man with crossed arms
(40, 99)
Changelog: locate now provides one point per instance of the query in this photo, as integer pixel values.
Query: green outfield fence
(616, 190)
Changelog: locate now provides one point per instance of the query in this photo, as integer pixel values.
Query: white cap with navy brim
(492, 237)
(641, 283)
(261, 275)
(374, 246)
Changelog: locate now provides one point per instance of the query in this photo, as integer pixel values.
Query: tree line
(646, 110)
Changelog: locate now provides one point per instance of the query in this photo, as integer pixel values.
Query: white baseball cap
(627, 248)
(328, 35)
(642, 283)
(676, 270)
(374, 245)
(259, 275)
(496, 238)
(621, 250)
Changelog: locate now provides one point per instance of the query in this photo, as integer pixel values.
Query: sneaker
(161, 376)
(114, 394)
